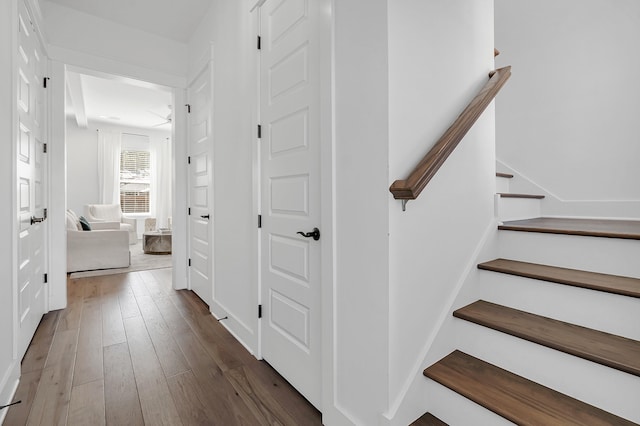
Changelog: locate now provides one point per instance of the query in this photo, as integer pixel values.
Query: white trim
(257, 5)
(554, 205)
(57, 154)
(110, 66)
(388, 418)
(179, 196)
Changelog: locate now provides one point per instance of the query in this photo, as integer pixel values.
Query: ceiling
(173, 19)
(117, 101)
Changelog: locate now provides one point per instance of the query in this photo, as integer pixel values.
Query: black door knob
(315, 234)
(36, 219)
(204, 216)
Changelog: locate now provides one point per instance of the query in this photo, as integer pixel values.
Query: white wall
(8, 366)
(228, 27)
(569, 118)
(82, 160)
(77, 38)
(361, 209)
(440, 54)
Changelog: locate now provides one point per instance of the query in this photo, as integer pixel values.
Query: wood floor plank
(514, 397)
(172, 317)
(35, 358)
(70, 317)
(112, 326)
(604, 348)
(168, 352)
(26, 392)
(51, 402)
(122, 404)
(135, 387)
(615, 284)
(217, 393)
(87, 404)
(88, 366)
(187, 394)
(157, 404)
(137, 284)
(128, 305)
(626, 229)
(91, 287)
(262, 376)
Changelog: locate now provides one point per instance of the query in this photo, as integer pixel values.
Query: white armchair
(104, 247)
(101, 213)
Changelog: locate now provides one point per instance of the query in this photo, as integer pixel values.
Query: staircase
(555, 335)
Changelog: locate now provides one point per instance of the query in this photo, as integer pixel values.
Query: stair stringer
(414, 400)
(554, 205)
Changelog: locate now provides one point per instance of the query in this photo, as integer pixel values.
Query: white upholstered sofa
(111, 213)
(104, 247)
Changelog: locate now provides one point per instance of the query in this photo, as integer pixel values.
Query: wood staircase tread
(428, 419)
(616, 284)
(504, 175)
(604, 348)
(626, 229)
(511, 195)
(513, 397)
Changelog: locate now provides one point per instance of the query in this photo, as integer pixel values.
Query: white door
(200, 181)
(31, 173)
(290, 179)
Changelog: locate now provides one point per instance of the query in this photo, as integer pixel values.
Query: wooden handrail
(411, 187)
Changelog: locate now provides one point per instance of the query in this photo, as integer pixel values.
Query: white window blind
(135, 180)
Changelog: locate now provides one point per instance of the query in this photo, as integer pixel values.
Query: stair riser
(517, 208)
(605, 255)
(502, 184)
(581, 379)
(456, 410)
(589, 308)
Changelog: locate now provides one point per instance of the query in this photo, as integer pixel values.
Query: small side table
(156, 242)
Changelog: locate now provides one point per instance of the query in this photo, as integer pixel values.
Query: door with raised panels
(290, 192)
(31, 174)
(200, 175)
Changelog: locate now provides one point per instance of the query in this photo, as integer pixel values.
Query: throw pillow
(85, 224)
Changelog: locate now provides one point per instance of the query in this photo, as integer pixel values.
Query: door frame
(59, 62)
(207, 62)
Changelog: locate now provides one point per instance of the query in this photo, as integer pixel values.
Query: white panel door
(200, 182)
(31, 173)
(290, 179)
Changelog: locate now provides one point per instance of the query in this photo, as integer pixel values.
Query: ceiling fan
(167, 118)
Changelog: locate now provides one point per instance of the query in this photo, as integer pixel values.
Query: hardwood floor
(130, 350)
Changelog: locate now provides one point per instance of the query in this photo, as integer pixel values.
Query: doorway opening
(119, 170)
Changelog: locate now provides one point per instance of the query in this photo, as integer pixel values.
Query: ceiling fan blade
(157, 115)
(162, 124)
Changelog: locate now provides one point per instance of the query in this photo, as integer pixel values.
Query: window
(135, 180)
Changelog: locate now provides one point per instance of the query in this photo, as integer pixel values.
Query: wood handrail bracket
(411, 187)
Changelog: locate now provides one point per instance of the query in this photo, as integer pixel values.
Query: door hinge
(45, 213)
(46, 278)
(259, 42)
(189, 211)
(189, 160)
(259, 311)
(188, 108)
(259, 131)
(259, 221)
(44, 148)
(44, 82)
(189, 262)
